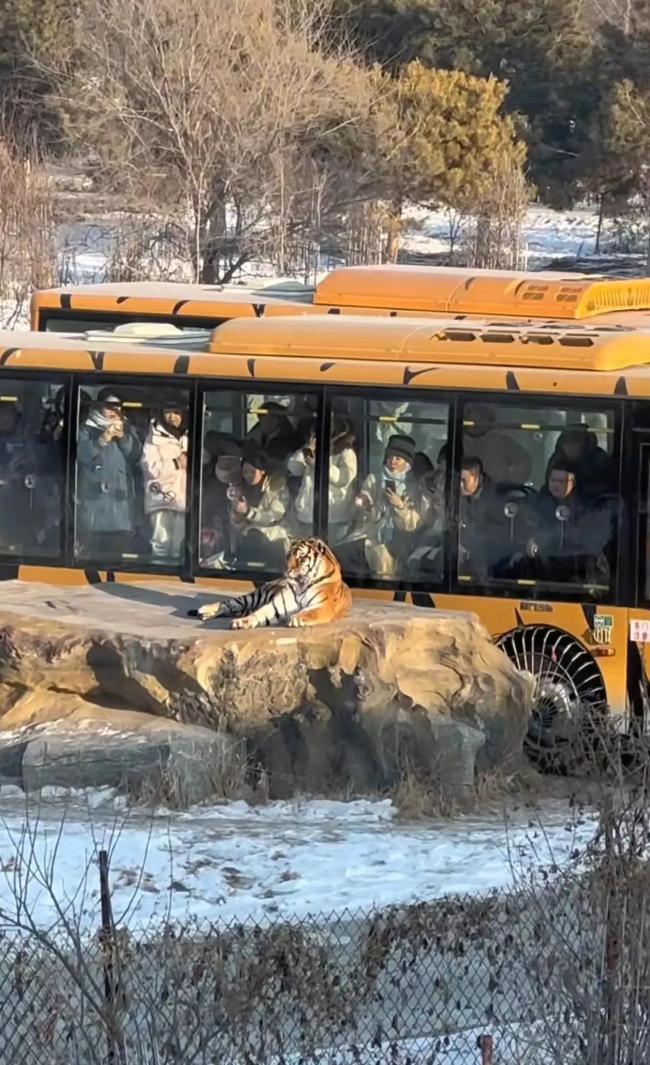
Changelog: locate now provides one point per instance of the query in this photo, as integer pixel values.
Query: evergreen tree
(543, 50)
(31, 32)
(453, 139)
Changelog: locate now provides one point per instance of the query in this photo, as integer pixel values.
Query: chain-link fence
(498, 980)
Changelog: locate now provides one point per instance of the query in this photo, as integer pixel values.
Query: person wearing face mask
(391, 508)
(108, 453)
(164, 469)
(259, 511)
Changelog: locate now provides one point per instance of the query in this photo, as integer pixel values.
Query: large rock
(352, 704)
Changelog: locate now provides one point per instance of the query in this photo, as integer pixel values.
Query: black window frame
(628, 587)
(422, 395)
(92, 565)
(9, 563)
(534, 592)
(245, 387)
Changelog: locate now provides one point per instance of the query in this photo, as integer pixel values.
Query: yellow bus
(393, 291)
(376, 434)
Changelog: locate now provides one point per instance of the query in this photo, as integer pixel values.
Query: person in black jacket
(595, 471)
(569, 532)
(482, 533)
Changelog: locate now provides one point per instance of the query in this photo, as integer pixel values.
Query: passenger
(48, 476)
(481, 521)
(259, 512)
(273, 433)
(108, 454)
(164, 467)
(427, 555)
(503, 460)
(569, 534)
(391, 508)
(342, 478)
(17, 492)
(594, 469)
(221, 482)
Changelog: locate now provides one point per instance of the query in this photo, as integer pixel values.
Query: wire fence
(468, 981)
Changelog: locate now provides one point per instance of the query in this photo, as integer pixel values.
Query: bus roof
(358, 337)
(394, 355)
(499, 292)
(172, 300)
(397, 290)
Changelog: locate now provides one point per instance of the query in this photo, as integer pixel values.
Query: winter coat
(342, 476)
(165, 481)
(269, 513)
(595, 470)
(105, 487)
(387, 525)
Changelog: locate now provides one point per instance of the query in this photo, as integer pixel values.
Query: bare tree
(27, 233)
(243, 118)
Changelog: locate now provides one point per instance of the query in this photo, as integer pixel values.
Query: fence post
(108, 946)
(486, 1047)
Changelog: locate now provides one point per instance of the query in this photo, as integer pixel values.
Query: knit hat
(404, 446)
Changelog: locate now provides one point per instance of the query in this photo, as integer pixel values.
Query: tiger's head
(309, 558)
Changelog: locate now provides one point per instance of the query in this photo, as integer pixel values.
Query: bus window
(257, 481)
(32, 468)
(539, 496)
(131, 474)
(386, 500)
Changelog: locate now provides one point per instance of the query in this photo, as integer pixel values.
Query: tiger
(311, 592)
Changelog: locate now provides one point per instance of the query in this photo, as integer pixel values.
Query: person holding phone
(342, 478)
(108, 453)
(390, 508)
(259, 509)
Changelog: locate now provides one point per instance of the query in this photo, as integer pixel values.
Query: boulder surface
(90, 676)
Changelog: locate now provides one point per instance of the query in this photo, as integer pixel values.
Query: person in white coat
(164, 467)
(342, 482)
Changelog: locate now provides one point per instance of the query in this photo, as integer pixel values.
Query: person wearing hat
(108, 453)
(164, 470)
(259, 511)
(391, 508)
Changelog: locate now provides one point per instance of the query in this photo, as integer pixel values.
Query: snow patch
(283, 860)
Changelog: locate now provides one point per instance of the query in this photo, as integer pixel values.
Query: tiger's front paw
(296, 622)
(244, 623)
(205, 613)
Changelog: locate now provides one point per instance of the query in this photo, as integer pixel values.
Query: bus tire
(569, 697)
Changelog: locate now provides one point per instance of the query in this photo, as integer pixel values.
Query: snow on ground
(512, 1045)
(547, 234)
(237, 862)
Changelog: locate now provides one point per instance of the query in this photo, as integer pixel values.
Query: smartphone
(391, 486)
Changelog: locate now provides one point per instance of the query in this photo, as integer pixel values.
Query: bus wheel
(568, 694)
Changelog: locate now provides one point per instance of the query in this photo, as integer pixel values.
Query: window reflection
(32, 468)
(538, 496)
(394, 523)
(131, 474)
(257, 483)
